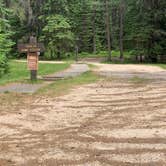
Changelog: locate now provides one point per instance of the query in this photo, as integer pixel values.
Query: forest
(97, 27)
(82, 82)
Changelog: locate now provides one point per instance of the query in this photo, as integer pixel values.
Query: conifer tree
(5, 41)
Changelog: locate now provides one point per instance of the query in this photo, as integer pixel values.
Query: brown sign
(24, 48)
(33, 50)
(32, 61)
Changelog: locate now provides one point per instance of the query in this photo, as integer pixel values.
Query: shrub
(3, 64)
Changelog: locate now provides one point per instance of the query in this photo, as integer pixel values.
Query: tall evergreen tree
(5, 41)
(98, 25)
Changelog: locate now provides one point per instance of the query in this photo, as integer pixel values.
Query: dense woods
(93, 25)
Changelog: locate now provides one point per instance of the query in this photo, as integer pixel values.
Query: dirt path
(109, 123)
(74, 70)
(130, 71)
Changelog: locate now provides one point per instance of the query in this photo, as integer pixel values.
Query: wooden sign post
(33, 50)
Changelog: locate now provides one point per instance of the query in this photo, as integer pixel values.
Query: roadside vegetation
(61, 87)
(18, 71)
(100, 54)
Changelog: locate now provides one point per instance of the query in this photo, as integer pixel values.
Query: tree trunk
(58, 53)
(94, 29)
(113, 25)
(7, 3)
(107, 18)
(30, 15)
(121, 29)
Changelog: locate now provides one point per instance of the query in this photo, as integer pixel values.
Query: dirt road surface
(114, 122)
(130, 71)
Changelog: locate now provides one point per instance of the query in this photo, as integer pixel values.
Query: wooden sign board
(32, 60)
(33, 50)
(24, 48)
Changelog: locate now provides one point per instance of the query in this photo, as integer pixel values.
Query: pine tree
(58, 35)
(5, 41)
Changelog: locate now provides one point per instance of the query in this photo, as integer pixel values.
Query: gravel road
(113, 122)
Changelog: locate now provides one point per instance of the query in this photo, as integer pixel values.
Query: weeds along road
(110, 122)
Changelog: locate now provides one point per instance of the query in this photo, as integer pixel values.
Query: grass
(18, 71)
(60, 87)
(163, 66)
(92, 66)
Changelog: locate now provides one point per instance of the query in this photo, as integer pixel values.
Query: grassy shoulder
(61, 87)
(18, 71)
(163, 66)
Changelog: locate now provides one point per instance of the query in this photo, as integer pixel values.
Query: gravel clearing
(130, 71)
(113, 122)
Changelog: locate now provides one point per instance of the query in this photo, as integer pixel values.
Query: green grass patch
(163, 66)
(60, 87)
(92, 66)
(18, 71)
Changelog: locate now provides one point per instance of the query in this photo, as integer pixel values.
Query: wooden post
(33, 65)
(33, 50)
(33, 75)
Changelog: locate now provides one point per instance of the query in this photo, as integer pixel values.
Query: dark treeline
(93, 25)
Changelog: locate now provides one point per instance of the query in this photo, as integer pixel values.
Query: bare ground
(113, 122)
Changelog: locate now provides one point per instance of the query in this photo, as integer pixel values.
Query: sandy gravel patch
(131, 71)
(107, 123)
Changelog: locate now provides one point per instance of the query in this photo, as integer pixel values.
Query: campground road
(117, 122)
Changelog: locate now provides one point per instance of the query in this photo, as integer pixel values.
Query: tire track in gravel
(80, 128)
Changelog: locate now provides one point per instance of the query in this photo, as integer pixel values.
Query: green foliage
(59, 22)
(58, 35)
(5, 41)
(145, 26)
